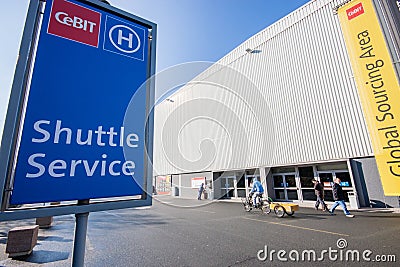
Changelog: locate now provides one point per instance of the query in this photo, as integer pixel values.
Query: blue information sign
(89, 64)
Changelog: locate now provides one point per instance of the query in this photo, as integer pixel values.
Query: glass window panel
(278, 181)
(279, 194)
(309, 194)
(306, 182)
(253, 172)
(332, 166)
(306, 172)
(326, 179)
(241, 183)
(345, 179)
(223, 182)
(283, 170)
(231, 182)
(292, 194)
(290, 181)
(306, 177)
(249, 179)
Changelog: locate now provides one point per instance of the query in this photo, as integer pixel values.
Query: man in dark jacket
(319, 192)
(338, 196)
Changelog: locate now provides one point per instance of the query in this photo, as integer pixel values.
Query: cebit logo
(74, 22)
(355, 11)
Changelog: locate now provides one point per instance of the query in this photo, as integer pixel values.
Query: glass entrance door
(241, 186)
(306, 175)
(228, 185)
(285, 186)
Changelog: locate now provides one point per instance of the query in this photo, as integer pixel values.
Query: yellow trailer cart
(280, 209)
(267, 205)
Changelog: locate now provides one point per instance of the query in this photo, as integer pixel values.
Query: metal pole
(81, 222)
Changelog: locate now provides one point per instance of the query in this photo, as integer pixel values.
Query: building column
(264, 171)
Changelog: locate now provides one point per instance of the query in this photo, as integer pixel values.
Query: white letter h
(121, 38)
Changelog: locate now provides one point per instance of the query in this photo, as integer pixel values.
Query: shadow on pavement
(376, 215)
(46, 256)
(116, 220)
(54, 238)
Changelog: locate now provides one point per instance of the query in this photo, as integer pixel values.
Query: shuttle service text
(57, 134)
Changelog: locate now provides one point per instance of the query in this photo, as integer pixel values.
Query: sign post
(81, 222)
(78, 256)
(79, 124)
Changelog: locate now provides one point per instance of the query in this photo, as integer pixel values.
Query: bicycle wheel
(290, 213)
(246, 205)
(265, 209)
(279, 211)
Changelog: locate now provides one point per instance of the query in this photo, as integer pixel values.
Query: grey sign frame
(15, 114)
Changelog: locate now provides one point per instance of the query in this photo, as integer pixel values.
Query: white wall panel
(293, 100)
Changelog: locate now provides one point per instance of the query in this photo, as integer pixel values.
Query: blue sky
(188, 30)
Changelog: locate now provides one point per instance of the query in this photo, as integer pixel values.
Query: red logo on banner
(74, 22)
(355, 11)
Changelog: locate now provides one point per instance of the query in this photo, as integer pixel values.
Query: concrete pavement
(181, 232)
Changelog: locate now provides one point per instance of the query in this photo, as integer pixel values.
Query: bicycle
(267, 205)
(262, 204)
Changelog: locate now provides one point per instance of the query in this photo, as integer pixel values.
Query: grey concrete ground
(217, 234)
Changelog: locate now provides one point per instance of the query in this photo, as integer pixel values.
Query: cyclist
(257, 191)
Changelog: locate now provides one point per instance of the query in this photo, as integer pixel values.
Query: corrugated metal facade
(291, 100)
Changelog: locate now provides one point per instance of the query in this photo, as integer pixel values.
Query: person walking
(338, 196)
(201, 189)
(319, 192)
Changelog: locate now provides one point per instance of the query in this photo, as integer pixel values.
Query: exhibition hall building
(285, 108)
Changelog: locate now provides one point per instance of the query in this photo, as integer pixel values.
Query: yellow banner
(377, 86)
